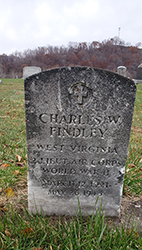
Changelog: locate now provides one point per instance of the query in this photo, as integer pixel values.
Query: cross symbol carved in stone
(80, 93)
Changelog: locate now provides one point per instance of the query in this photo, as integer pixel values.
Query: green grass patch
(133, 171)
(40, 232)
(12, 130)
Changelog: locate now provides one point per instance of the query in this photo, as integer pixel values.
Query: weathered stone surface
(30, 70)
(78, 126)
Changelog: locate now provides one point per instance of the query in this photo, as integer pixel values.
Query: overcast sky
(27, 24)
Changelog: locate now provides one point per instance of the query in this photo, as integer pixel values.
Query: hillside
(108, 55)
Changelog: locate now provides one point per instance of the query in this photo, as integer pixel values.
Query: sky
(29, 24)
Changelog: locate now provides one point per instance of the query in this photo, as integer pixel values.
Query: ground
(131, 206)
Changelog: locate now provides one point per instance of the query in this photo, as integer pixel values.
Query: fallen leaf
(133, 150)
(26, 231)
(110, 222)
(4, 165)
(7, 233)
(51, 247)
(20, 164)
(16, 172)
(129, 231)
(9, 192)
(18, 157)
(2, 205)
(5, 209)
(131, 165)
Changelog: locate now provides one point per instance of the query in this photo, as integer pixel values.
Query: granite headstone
(139, 72)
(30, 70)
(122, 70)
(78, 123)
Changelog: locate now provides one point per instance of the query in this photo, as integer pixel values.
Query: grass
(12, 131)
(19, 230)
(39, 232)
(133, 171)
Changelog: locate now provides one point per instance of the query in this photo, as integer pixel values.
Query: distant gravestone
(139, 72)
(78, 126)
(122, 70)
(0, 81)
(30, 70)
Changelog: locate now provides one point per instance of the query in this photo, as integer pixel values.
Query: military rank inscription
(81, 176)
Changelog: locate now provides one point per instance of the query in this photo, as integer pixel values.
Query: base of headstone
(41, 202)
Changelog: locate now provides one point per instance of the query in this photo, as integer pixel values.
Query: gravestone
(138, 79)
(0, 81)
(30, 70)
(122, 70)
(139, 72)
(78, 123)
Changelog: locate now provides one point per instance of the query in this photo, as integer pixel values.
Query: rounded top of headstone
(121, 67)
(140, 66)
(122, 70)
